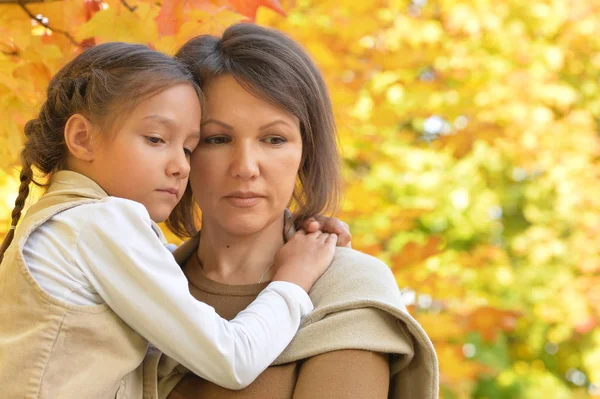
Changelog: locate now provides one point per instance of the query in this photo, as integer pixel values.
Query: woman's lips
(243, 202)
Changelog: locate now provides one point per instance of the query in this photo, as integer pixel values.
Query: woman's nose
(244, 164)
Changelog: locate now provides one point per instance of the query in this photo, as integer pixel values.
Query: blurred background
(471, 150)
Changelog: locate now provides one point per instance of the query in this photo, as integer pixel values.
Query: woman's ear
(78, 137)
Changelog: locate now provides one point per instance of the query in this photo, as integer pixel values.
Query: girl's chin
(159, 216)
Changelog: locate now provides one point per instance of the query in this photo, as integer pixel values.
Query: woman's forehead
(226, 98)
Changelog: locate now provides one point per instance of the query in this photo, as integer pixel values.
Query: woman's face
(243, 172)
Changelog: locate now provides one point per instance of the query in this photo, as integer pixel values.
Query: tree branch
(47, 25)
(124, 2)
(26, 1)
(8, 49)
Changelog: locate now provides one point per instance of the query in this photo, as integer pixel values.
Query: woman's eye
(216, 140)
(275, 140)
(154, 139)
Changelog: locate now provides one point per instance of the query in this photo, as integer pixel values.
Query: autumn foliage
(471, 154)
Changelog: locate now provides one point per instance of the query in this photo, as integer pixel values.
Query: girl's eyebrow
(169, 123)
(163, 120)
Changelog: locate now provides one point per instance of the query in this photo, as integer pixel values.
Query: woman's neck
(239, 259)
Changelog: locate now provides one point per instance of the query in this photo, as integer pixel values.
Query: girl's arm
(138, 278)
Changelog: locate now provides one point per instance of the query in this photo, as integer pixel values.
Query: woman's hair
(102, 83)
(276, 69)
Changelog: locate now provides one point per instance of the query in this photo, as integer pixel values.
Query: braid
(26, 177)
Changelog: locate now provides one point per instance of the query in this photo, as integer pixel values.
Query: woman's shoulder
(351, 260)
(350, 267)
(357, 306)
(356, 278)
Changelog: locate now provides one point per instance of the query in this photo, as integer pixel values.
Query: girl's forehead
(173, 108)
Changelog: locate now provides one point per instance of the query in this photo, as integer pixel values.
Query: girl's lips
(171, 191)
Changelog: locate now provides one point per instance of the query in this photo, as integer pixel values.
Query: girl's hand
(304, 258)
(329, 225)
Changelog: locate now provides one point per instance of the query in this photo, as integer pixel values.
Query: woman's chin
(243, 230)
(247, 224)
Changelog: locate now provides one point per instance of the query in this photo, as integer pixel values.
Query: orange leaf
(372, 248)
(414, 253)
(455, 367)
(249, 8)
(587, 325)
(173, 14)
(488, 321)
(91, 7)
(87, 43)
(170, 17)
(441, 326)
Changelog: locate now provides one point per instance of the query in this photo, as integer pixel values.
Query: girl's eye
(188, 152)
(275, 140)
(217, 140)
(154, 139)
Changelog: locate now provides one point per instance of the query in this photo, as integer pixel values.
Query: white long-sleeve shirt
(110, 251)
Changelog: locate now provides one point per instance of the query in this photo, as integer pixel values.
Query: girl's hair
(275, 68)
(102, 83)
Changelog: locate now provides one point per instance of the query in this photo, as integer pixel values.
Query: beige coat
(357, 306)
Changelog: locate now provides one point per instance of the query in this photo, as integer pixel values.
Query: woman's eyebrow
(222, 124)
(277, 122)
(229, 127)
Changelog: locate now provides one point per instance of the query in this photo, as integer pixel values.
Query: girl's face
(244, 169)
(148, 158)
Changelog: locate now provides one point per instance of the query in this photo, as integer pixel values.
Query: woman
(268, 141)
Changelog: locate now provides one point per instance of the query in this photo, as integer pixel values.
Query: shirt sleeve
(344, 374)
(138, 278)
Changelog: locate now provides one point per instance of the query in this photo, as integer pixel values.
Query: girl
(87, 282)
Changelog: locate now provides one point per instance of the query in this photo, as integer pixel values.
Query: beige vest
(53, 349)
